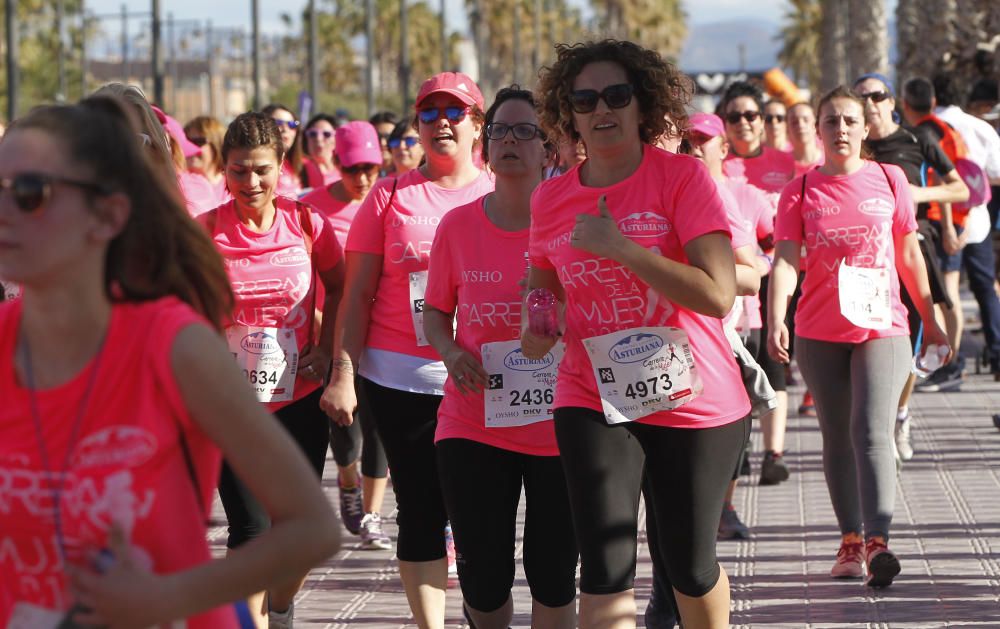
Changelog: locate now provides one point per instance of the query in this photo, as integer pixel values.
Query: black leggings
(774, 370)
(482, 488)
(309, 427)
(688, 472)
(360, 439)
(406, 423)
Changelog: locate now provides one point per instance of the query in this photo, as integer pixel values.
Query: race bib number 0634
(269, 358)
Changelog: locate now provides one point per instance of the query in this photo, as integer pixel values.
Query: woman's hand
(598, 234)
(465, 371)
(534, 346)
(314, 363)
(777, 343)
(934, 335)
(339, 400)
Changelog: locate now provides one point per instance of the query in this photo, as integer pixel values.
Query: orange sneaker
(850, 558)
(808, 407)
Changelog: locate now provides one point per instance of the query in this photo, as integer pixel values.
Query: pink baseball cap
(706, 124)
(358, 143)
(176, 131)
(455, 83)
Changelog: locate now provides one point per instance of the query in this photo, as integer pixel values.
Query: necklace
(58, 484)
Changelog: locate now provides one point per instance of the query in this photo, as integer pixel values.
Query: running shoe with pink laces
(850, 558)
(883, 566)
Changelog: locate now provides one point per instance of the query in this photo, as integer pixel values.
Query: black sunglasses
(772, 118)
(522, 130)
(198, 141)
(409, 141)
(734, 117)
(876, 97)
(31, 190)
(614, 96)
(315, 133)
(360, 168)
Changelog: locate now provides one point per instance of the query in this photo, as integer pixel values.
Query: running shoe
(996, 420)
(773, 469)
(850, 558)
(449, 544)
(730, 526)
(372, 537)
(351, 509)
(281, 620)
(947, 378)
(745, 466)
(883, 566)
(904, 449)
(808, 407)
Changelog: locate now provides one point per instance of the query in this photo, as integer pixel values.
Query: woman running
(277, 251)
(380, 332)
(290, 178)
(358, 158)
(320, 169)
(207, 133)
(404, 144)
(495, 422)
(856, 222)
(647, 368)
(119, 394)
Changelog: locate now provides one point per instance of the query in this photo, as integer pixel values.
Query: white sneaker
(902, 437)
(281, 620)
(372, 536)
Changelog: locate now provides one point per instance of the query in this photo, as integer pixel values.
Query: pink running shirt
(338, 213)
(854, 217)
(475, 270)
(272, 275)
(289, 183)
(769, 171)
(667, 202)
(200, 194)
(758, 213)
(125, 464)
(402, 235)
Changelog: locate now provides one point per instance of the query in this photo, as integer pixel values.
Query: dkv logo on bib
(645, 224)
(260, 343)
(517, 361)
(635, 348)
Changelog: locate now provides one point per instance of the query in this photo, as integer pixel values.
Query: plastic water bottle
(542, 317)
(930, 360)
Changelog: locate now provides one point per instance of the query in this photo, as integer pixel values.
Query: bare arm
(747, 273)
(951, 190)
(784, 277)
(315, 360)
(463, 368)
(913, 272)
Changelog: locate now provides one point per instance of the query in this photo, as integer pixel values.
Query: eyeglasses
(433, 114)
(734, 117)
(31, 190)
(614, 96)
(361, 168)
(521, 130)
(291, 124)
(875, 97)
(198, 141)
(773, 118)
(315, 133)
(409, 141)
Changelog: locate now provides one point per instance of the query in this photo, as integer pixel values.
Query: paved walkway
(946, 533)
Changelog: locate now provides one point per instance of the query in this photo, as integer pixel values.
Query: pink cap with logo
(358, 143)
(176, 131)
(706, 124)
(455, 83)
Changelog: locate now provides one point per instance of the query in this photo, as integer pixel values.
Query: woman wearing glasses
(648, 380)
(290, 179)
(776, 127)
(207, 132)
(404, 144)
(119, 394)
(495, 421)
(319, 169)
(380, 335)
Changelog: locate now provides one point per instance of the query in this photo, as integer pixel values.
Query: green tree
(657, 24)
(800, 42)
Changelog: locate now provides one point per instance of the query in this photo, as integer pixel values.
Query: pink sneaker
(883, 566)
(850, 558)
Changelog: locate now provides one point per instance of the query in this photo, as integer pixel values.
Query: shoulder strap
(211, 218)
(892, 187)
(192, 473)
(305, 223)
(802, 195)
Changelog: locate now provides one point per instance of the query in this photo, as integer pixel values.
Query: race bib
(418, 288)
(864, 296)
(520, 391)
(642, 371)
(269, 358)
(28, 616)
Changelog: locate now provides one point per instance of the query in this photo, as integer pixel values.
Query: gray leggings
(856, 388)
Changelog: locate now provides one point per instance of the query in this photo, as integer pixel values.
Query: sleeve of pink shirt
(762, 210)
(367, 234)
(536, 250)
(326, 248)
(788, 223)
(442, 287)
(904, 220)
(697, 190)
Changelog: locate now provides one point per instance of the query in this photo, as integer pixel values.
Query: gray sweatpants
(856, 388)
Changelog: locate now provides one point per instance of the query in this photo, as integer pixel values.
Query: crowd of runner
(581, 294)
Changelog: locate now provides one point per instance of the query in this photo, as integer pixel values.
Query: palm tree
(926, 36)
(868, 37)
(800, 37)
(657, 24)
(833, 34)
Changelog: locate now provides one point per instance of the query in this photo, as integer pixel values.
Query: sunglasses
(614, 96)
(198, 141)
(316, 133)
(291, 124)
(734, 117)
(876, 97)
(521, 130)
(410, 142)
(360, 168)
(773, 118)
(433, 114)
(31, 190)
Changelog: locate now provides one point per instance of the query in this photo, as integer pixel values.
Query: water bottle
(542, 317)
(930, 360)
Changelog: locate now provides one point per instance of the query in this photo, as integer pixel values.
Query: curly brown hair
(660, 88)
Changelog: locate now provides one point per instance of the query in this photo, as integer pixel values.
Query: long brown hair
(294, 154)
(160, 251)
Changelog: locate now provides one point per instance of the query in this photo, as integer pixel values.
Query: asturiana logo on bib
(260, 343)
(876, 207)
(635, 347)
(517, 361)
(293, 256)
(645, 224)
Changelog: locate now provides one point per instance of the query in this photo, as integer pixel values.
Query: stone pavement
(946, 532)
